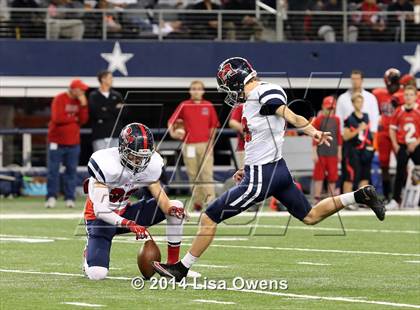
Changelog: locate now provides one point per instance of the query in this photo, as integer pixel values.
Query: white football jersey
(106, 167)
(263, 134)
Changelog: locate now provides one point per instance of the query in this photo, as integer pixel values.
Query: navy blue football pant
(100, 234)
(261, 182)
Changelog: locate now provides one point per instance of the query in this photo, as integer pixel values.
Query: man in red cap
(69, 111)
(326, 158)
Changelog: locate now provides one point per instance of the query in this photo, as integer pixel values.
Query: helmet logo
(226, 72)
(127, 136)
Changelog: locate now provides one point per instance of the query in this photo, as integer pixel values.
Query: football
(148, 253)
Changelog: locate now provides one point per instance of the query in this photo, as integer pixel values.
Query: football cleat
(50, 203)
(367, 195)
(193, 274)
(70, 204)
(392, 205)
(176, 271)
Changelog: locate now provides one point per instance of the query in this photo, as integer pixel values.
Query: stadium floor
(348, 262)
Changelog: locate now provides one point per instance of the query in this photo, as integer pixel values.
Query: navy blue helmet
(136, 146)
(232, 76)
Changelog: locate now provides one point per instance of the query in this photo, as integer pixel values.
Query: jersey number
(119, 195)
(247, 132)
(410, 130)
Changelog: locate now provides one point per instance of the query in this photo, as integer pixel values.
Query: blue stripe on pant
(261, 182)
(100, 234)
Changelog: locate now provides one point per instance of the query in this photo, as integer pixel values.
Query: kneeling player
(116, 173)
(265, 174)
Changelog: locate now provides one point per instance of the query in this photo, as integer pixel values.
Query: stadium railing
(262, 24)
(297, 150)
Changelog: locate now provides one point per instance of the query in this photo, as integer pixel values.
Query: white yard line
(314, 250)
(210, 266)
(250, 247)
(314, 264)
(73, 215)
(63, 274)
(329, 298)
(339, 229)
(40, 216)
(82, 304)
(25, 240)
(413, 261)
(211, 301)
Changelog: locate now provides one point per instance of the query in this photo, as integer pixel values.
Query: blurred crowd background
(261, 20)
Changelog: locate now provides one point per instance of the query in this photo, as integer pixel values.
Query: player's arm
(315, 153)
(393, 127)
(163, 201)
(320, 137)
(235, 125)
(349, 134)
(393, 137)
(340, 152)
(171, 128)
(100, 200)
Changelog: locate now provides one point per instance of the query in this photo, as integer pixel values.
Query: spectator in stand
(111, 19)
(245, 27)
(369, 24)
(104, 107)
(404, 10)
(327, 27)
(203, 26)
(299, 22)
(200, 122)
(235, 123)
(62, 24)
(25, 22)
(414, 30)
(4, 14)
(359, 150)
(370, 105)
(388, 102)
(69, 111)
(405, 136)
(326, 158)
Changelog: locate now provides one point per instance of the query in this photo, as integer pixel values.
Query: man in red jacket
(69, 110)
(200, 123)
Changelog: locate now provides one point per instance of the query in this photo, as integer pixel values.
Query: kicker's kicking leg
(365, 195)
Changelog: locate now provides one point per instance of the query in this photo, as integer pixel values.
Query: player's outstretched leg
(365, 195)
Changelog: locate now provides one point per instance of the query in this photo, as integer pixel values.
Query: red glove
(175, 211)
(140, 231)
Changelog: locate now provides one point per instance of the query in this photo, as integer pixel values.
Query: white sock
(188, 260)
(347, 199)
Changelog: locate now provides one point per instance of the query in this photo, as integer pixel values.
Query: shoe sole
(156, 266)
(373, 195)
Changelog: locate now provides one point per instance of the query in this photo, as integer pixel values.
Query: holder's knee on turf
(96, 272)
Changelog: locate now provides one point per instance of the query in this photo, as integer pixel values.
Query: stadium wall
(173, 64)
